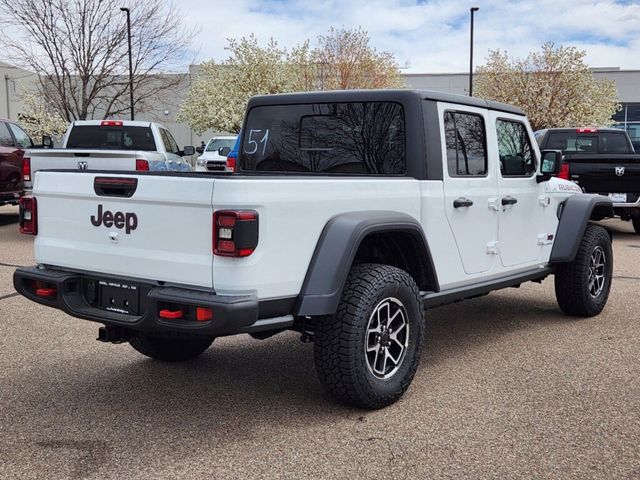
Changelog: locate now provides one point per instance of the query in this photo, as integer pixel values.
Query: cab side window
(466, 142)
(516, 155)
(21, 136)
(169, 143)
(5, 137)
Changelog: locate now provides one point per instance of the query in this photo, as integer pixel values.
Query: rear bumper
(231, 314)
(10, 198)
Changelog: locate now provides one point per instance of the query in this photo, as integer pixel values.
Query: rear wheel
(582, 286)
(636, 224)
(170, 349)
(367, 353)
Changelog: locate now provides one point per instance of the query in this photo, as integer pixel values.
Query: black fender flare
(574, 215)
(336, 250)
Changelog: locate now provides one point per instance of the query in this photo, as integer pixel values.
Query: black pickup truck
(599, 160)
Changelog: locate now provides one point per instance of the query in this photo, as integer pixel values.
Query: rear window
(342, 138)
(217, 143)
(107, 137)
(601, 142)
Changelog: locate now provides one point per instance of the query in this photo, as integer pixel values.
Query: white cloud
(433, 36)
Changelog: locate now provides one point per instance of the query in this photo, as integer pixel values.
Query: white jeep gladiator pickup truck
(351, 213)
(110, 145)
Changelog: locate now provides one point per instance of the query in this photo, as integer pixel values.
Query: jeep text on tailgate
(351, 213)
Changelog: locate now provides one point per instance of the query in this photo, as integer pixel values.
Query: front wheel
(582, 286)
(636, 224)
(170, 349)
(367, 353)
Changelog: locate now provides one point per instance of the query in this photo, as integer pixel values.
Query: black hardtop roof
(380, 95)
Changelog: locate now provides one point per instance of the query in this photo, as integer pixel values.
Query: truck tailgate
(78, 159)
(161, 233)
(606, 174)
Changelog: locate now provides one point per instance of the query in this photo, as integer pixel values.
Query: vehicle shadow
(8, 218)
(241, 384)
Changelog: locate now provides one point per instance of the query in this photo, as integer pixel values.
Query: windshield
(216, 143)
(108, 137)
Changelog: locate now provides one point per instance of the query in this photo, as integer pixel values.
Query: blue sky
(429, 36)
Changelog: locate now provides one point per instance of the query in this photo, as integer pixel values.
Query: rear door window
(466, 141)
(334, 138)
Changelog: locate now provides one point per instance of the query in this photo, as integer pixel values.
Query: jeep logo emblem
(120, 220)
(82, 165)
(619, 171)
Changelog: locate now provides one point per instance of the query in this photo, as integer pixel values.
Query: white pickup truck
(110, 145)
(351, 213)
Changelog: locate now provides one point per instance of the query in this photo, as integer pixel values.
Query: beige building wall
(14, 82)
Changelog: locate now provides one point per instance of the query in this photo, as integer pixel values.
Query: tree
(343, 59)
(218, 96)
(39, 119)
(79, 50)
(555, 87)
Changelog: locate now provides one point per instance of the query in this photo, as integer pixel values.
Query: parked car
(214, 158)
(14, 141)
(599, 160)
(111, 145)
(352, 213)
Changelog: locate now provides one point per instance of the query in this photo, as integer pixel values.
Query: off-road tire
(572, 279)
(168, 349)
(339, 344)
(636, 224)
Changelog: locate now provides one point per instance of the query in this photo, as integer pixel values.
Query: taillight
(231, 164)
(586, 130)
(564, 171)
(28, 216)
(142, 165)
(235, 232)
(26, 169)
(111, 123)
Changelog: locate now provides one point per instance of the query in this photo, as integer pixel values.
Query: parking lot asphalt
(508, 387)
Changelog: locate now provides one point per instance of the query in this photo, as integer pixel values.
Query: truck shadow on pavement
(8, 218)
(221, 392)
(239, 390)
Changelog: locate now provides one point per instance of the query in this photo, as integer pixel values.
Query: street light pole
(471, 10)
(124, 9)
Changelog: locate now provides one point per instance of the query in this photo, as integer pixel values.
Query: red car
(13, 142)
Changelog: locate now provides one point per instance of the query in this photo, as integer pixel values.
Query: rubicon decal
(120, 220)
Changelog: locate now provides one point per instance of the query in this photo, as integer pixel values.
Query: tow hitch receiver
(113, 334)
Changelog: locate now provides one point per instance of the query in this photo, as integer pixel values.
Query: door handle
(509, 200)
(462, 202)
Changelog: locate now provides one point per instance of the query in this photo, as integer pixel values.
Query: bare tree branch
(79, 49)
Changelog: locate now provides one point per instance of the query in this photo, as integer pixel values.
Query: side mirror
(551, 164)
(47, 142)
(200, 150)
(188, 151)
(224, 151)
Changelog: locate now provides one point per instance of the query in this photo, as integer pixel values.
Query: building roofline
(466, 74)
